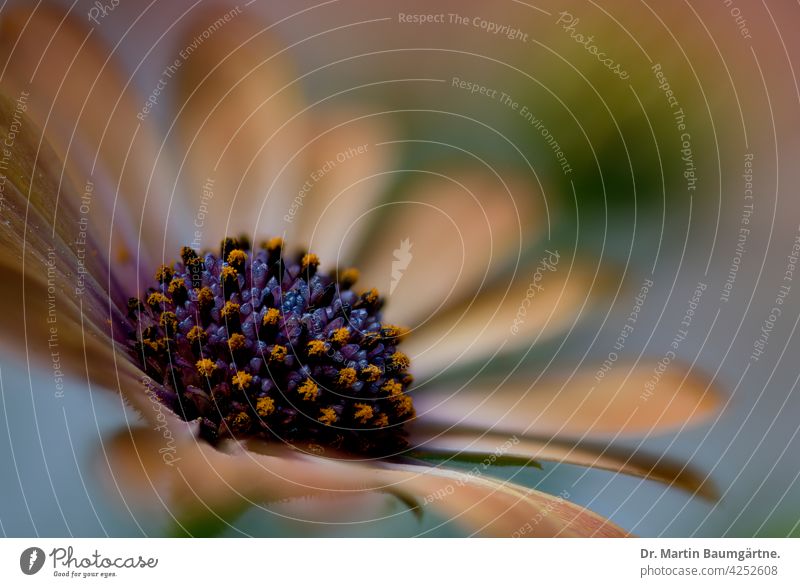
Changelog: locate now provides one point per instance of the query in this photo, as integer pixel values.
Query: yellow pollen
(403, 404)
(164, 273)
(363, 413)
(242, 380)
(347, 377)
(349, 276)
(309, 260)
(157, 299)
(197, 334)
(340, 335)
(308, 390)
(236, 341)
(230, 310)
(239, 422)
(168, 321)
(205, 367)
(205, 298)
(228, 272)
(382, 421)
(316, 348)
(273, 244)
(278, 353)
(371, 296)
(176, 284)
(265, 406)
(271, 317)
(195, 264)
(371, 373)
(399, 361)
(391, 331)
(237, 257)
(157, 344)
(328, 416)
(392, 387)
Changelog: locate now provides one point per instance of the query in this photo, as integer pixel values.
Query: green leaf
(468, 457)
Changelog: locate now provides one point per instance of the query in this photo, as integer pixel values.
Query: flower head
(330, 374)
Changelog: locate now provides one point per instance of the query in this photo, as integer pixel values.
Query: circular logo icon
(31, 560)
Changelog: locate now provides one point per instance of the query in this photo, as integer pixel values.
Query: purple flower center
(253, 344)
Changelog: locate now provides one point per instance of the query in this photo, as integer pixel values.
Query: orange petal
(237, 96)
(90, 113)
(347, 179)
(190, 478)
(52, 287)
(489, 507)
(536, 305)
(445, 236)
(61, 312)
(463, 443)
(628, 400)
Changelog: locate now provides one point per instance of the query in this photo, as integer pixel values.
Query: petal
(489, 507)
(51, 291)
(348, 178)
(461, 443)
(450, 233)
(191, 479)
(165, 467)
(90, 113)
(59, 309)
(340, 512)
(534, 306)
(237, 97)
(628, 400)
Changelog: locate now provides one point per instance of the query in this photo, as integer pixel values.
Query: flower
(91, 271)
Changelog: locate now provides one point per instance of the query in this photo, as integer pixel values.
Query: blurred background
(652, 140)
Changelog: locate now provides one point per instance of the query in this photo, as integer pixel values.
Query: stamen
(242, 380)
(230, 311)
(271, 317)
(363, 413)
(347, 377)
(236, 259)
(308, 390)
(340, 335)
(169, 322)
(187, 254)
(197, 335)
(177, 287)
(157, 300)
(348, 278)
(328, 416)
(274, 244)
(205, 299)
(164, 274)
(265, 406)
(309, 262)
(205, 367)
(237, 341)
(316, 348)
(371, 373)
(278, 353)
(399, 361)
(392, 387)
